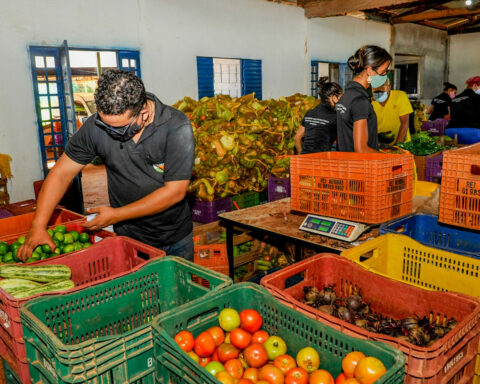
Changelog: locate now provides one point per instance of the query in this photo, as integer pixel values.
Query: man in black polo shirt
(148, 150)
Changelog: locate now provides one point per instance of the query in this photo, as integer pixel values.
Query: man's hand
(105, 216)
(36, 236)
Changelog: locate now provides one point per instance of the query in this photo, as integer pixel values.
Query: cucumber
(41, 273)
(9, 285)
(54, 286)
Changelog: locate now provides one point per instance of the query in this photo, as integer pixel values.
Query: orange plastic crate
(460, 190)
(17, 225)
(364, 187)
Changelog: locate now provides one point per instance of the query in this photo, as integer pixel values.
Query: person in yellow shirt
(392, 109)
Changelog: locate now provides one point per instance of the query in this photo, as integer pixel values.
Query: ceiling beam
(423, 7)
(433, 24)
(434, 15)
(326, 8)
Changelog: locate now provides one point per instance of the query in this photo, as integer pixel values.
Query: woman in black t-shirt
(440, 107)
(319, 126)
(356, 119)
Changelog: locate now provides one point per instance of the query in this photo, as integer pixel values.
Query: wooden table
(275, 220)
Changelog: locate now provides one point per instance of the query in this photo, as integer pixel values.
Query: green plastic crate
(176, 367)
(103, 333)
(245, 200)
(10, 376)
(263, 197)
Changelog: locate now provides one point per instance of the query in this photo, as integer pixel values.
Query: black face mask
(119, 133)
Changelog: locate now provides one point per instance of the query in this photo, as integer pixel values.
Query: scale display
(336, 228)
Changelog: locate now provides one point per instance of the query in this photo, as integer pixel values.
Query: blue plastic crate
(427, 230)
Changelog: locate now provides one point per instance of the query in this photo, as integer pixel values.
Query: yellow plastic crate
(401, 258)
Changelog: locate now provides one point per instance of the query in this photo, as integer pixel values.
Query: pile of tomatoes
(238, 351)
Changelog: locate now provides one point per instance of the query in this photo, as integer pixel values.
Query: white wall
(169, 35)
(464, 58)
(337, 38)
(431, 45)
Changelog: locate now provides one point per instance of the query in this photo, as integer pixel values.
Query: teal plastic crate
(176, 367)
(103, 334)
(245, 200)
(10, 376)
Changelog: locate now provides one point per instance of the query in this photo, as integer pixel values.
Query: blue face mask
(378, 80)
(380, 96)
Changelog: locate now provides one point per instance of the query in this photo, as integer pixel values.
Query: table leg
(231, 266)
(298, 253)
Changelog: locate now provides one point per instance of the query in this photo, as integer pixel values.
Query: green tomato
(68, 248)
(3, 248)
(87, 244)
(59, 236)
(46, 248)
(214, 367)
(21, 240)
(275, 347)
(60, 229)
(229, 319)
(50, 232)
(77, 245)
(84, 237)
(75, 235)
(57, 251)
(30, 260)
(68, 238)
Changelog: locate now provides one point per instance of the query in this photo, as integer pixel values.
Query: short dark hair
(368, 56)
(447, 86)
(327, 89)
(120, 91)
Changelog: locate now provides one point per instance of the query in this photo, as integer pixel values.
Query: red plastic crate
(364, 187)
(16, 225)
(22, 207)
(460, 189)
(452, 356)
(106, 260)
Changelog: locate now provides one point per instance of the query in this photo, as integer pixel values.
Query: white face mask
(477, 91)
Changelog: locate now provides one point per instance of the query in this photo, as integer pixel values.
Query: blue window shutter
(205, 76)
(314, 79)
(252, 77)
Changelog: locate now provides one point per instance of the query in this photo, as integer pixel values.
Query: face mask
(380, 96)
(377, 80)
(451, 94)
(477, 91)
(122, 133)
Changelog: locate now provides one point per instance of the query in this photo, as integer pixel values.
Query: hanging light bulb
(468, 2)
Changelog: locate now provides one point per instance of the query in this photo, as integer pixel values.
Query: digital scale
(336, 228)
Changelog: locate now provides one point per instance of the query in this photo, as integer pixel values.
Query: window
(64, 81)
(226, 77)
(336, 72)
(234, 77)
(407, 74)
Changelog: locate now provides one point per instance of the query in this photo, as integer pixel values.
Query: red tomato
(285, 363)
(251, 374)
(260, 337)
(215, 356)
(250, 320)
(321, 376)
(369, 369)
(185, 340)
(240, 338)
(271, 374)
(340, 378)
(235, 368)
(217, 334)
(296, 376)
(256, 355)
(245, 381)
(204, 344)
(204, 361)
(224, 378)
(349, 363)
(227, 352)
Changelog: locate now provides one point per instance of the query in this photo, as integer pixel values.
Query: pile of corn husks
(239, 142)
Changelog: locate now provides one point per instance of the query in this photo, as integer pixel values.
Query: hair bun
(354, 62)
(322, 80)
